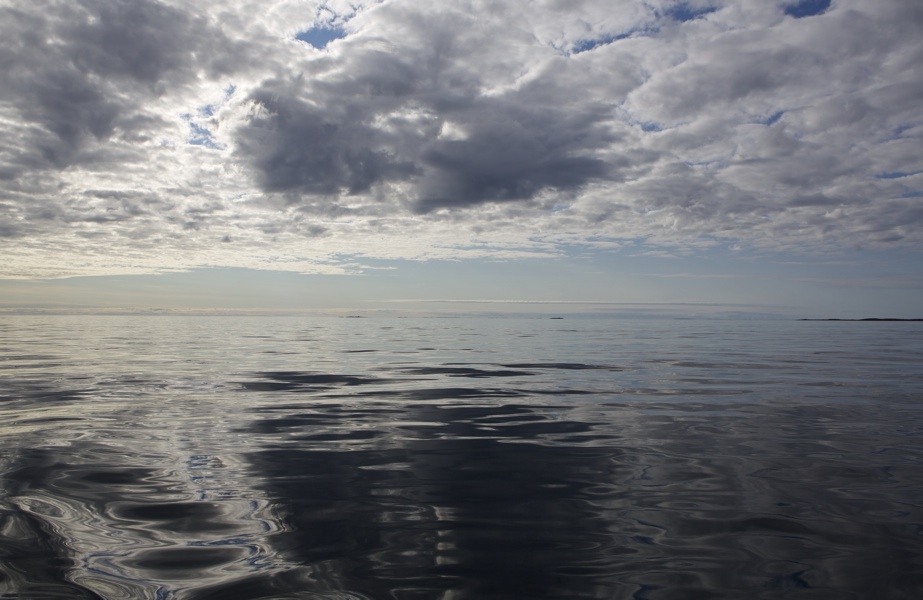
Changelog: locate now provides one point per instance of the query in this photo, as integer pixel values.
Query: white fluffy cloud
(154, 135)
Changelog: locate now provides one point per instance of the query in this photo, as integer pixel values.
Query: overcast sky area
(760, 156)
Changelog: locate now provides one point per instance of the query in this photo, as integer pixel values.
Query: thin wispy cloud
(151, 136)
(883, 281)
(574, 302)
(698, 275)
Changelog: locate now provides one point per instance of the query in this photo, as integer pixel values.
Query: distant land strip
(870, 319)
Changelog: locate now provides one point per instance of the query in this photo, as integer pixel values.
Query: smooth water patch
(159, 457)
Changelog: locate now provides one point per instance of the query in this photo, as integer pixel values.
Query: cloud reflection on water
(648, 465)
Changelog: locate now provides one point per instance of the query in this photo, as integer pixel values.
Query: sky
(702, 157)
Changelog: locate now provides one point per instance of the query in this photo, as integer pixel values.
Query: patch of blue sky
(772, 118)
(807, 8)
(587, 45)
(200, 136)
(319, 37)
(683, 12)
(209, 109)
(894, 175)
(705, 165)
(899, 131)
(590, 44)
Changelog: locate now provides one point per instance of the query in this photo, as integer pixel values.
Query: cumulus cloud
(78, 77)
(150, 135)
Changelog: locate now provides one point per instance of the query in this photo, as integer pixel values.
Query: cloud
(881, 281)
(78, 75)
(698, 275)
(165, 134)
(297, 147)
(412, 108)
(510, 153)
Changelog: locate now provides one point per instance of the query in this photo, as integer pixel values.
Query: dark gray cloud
(417, 114)
(299, 148)
(511, 151)
(74, 74)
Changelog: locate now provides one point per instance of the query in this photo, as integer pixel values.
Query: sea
(456, 458)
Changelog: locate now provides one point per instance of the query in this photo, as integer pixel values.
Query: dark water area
(455, 459)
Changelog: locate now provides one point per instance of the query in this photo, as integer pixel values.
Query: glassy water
(450, 459)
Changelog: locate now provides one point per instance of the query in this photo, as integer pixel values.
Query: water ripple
(349, 459)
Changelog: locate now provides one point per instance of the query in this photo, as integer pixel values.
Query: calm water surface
(450, 459)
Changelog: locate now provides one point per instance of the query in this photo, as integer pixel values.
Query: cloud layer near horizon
(145, 135)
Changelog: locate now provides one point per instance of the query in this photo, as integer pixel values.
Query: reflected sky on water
(223, 457)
